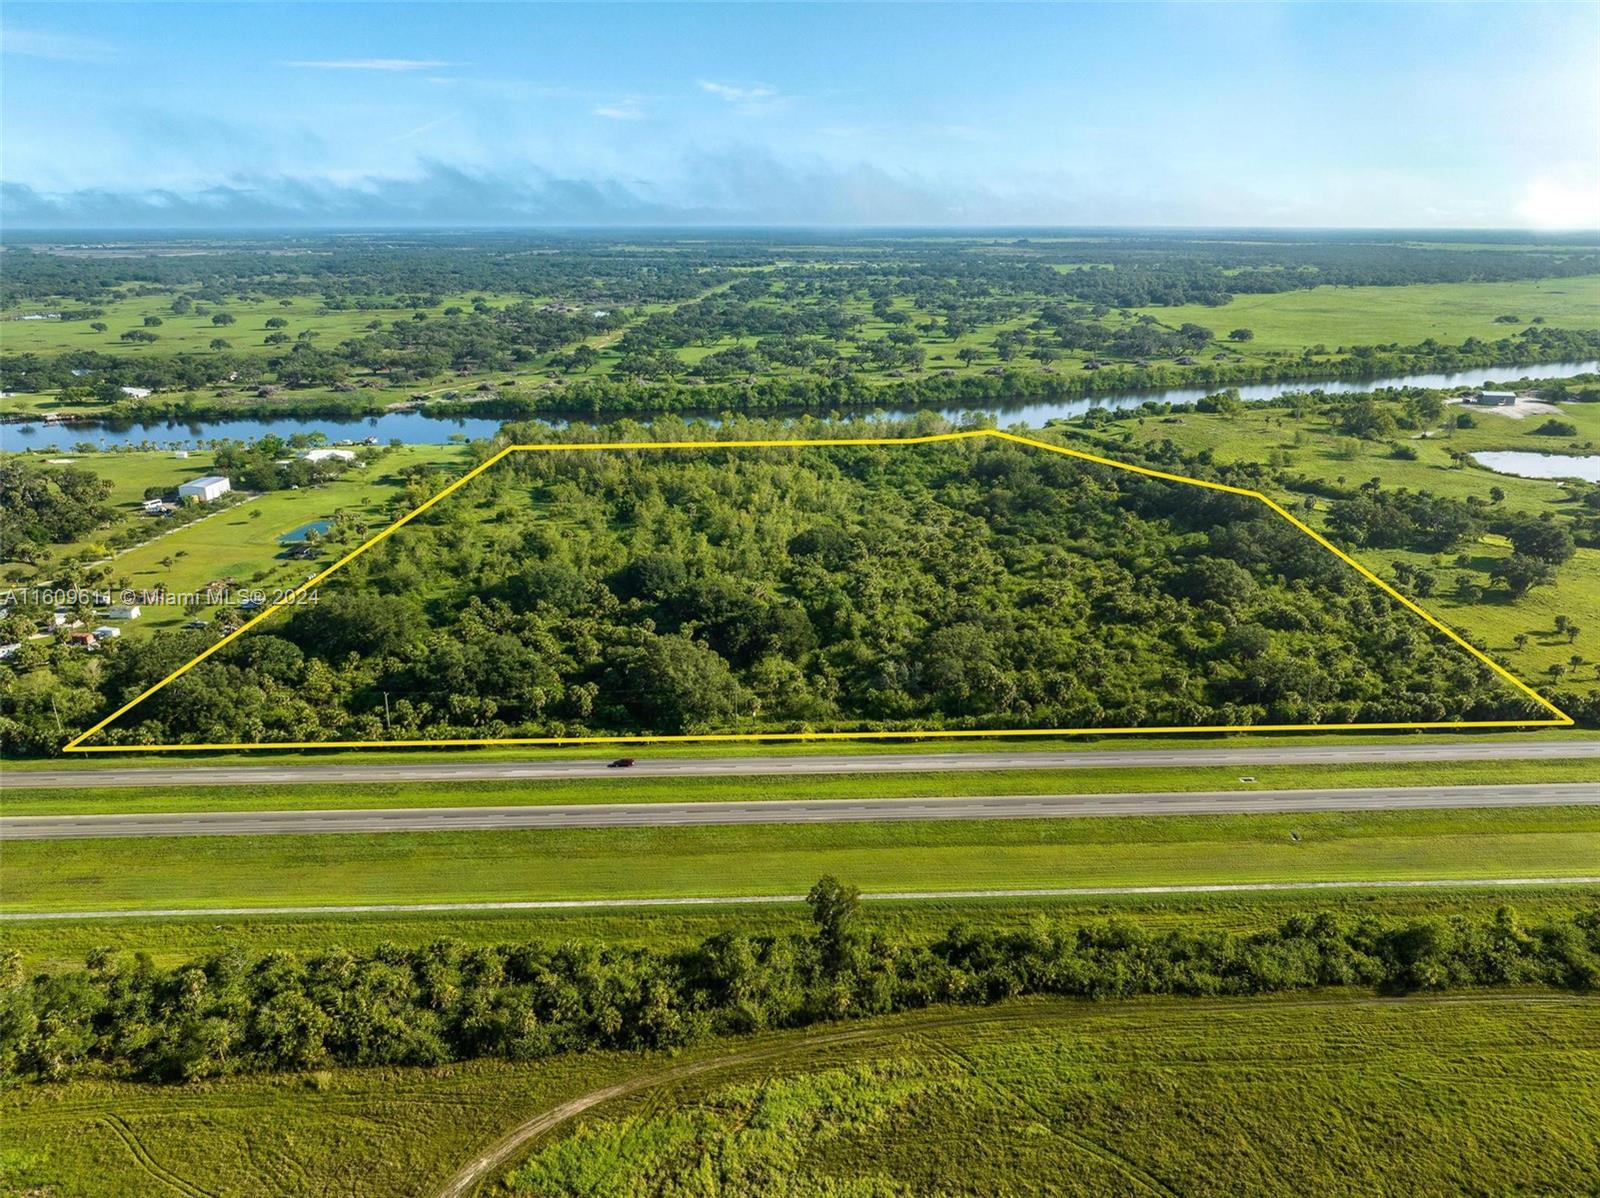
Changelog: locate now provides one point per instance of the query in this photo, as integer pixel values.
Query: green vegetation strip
(56, 944)
(765, 860)
(958, 784)
(1489, 1094)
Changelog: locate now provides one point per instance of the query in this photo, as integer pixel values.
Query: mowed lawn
(1336, 1094)
(741, 860)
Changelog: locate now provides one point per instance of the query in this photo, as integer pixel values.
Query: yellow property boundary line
(1559, 718)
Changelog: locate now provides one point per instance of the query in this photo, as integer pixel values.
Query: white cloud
(58, 47)
(1560, 203)
(740, 94)
(622, 110)
(372, 64)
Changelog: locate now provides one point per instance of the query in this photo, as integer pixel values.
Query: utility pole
(386, 725)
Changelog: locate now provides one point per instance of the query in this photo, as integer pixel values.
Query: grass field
(1487, 1094)
(59, 944)
(246, 871)
(623, 789)
(1344, 316)
(191, 333)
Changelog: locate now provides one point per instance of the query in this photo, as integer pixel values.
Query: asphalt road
(814, 811)
(492, 770)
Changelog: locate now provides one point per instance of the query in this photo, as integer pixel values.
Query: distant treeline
(1117, 269)
(235, 1012)
(476, 349)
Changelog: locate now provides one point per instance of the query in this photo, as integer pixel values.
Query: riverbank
(443, 421)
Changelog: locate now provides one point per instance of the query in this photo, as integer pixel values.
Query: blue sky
(1469, 115)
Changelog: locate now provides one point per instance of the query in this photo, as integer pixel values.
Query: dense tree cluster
(42, 504)
(233, 1012)
(975, 584)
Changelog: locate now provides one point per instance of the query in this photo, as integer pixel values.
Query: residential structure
(1497, 399)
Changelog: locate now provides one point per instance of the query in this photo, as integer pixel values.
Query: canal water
(421, 429)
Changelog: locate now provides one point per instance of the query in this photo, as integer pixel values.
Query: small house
(180, 453)
(1497, 399)
(123, 611)
(322, 455)
(204, 490)
(86, 639)
(106, 631)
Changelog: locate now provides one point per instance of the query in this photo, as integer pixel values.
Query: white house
(180, 453)
(1497, 399)
(106, 631)
(136, 392)
(122, 611)
(322, 455)
(205, 489)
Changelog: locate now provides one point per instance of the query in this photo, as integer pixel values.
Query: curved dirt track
(465, 1181)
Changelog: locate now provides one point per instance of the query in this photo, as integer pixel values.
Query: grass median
(590, 863)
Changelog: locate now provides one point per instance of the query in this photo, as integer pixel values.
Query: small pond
(1542, 465)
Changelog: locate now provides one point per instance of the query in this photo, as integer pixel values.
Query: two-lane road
(471, 769)
(815, 811)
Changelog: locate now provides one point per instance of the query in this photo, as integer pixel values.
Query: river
(422, 429)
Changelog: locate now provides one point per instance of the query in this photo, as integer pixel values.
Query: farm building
(205, 489)
(1497, 399)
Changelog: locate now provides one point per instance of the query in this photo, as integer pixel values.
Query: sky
(218, 115)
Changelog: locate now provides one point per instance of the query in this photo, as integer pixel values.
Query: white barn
(204, 489)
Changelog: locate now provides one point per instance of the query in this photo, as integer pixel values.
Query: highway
(543, 769)
(815, 811)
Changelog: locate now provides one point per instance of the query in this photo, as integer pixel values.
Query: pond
(418, 428)
(1542, 465)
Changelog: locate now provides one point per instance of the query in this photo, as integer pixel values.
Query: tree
(277, 322)
(834, 907)
(1242, 335)
(99, 326)
(969, 354)
(223, 318)
(152, 322)
(220, 343)
(1543, 539)
(1521, 573)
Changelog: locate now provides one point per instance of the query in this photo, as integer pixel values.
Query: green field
(52, 945)
(1289, 321)
(1484, 1094)
(197, 872)
(191, 333)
